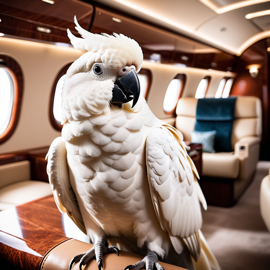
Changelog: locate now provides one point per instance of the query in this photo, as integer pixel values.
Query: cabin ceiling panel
(189, 13)
(262, 22)
(203, 19)
(224, 3)
(222, 28)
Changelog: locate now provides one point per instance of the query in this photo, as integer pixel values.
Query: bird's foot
(149, 262)
(98, 250)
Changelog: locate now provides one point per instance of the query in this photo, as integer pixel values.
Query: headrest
(247, 107)
(187, 107)
(215, 109)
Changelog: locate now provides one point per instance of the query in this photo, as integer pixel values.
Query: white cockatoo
(122, 175)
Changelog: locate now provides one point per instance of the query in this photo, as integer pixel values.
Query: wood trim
(53, 121)
(17, 76)
(148, 73)
(245, 85)
(181, 77)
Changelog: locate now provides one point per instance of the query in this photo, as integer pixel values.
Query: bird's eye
(97, 69)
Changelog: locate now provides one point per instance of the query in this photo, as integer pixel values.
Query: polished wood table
(33, 234)
(28, 231)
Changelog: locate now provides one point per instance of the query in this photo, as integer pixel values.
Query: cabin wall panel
(40, 64)
(245, 85)
(162, 76)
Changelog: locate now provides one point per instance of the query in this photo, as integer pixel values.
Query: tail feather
(193, 243)
(207, 260)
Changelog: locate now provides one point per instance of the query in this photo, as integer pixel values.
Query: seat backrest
(185, 116)
(247, 122)
(14, 172)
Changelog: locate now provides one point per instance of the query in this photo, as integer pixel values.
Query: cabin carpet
(238, 236)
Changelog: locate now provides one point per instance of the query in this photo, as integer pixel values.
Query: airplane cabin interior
(205, 73)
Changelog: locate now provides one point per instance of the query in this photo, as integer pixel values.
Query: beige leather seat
(239, 165)
(265, 200)
(16, 186)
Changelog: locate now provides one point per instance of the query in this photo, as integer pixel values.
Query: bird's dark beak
(126, 88)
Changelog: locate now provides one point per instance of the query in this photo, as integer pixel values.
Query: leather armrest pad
(243, 147)
(60, 256)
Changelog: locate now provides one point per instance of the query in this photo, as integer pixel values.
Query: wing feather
(172, 179)
(64, 195)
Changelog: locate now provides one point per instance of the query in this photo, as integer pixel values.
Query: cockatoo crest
(115, 50)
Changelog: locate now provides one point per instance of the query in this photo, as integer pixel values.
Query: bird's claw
(76, 259)
(129, 267)
(116, 249)
(98, 250)
(100, 266)
(149, 262)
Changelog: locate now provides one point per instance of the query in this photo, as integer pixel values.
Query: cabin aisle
(238, 236)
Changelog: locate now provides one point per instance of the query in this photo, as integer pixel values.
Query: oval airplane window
(143, 83)
(6, 98)
(220, 88)
(202, 88)
(145, 78)
(11, 90)
(173, 93)
(227, 88)
(57, 112)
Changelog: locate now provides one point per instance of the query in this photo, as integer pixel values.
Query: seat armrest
(14, 172)
(243, 146)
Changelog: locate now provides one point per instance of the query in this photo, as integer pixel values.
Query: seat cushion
(265, 201)
(206, 138)
(223, 165)
(23, 192)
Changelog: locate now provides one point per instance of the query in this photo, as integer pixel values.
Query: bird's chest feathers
(106, 149)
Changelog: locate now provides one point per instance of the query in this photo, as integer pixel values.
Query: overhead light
(44, 29)
(48, 1)
(268, 49)
(116, 20)
(257, 14)
(253, 70)
(2, 34)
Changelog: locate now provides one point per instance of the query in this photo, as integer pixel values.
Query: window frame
(183, 78)
(226, 80)
(148, 73)
(53, 121)
(15, 71)
(208, 78)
